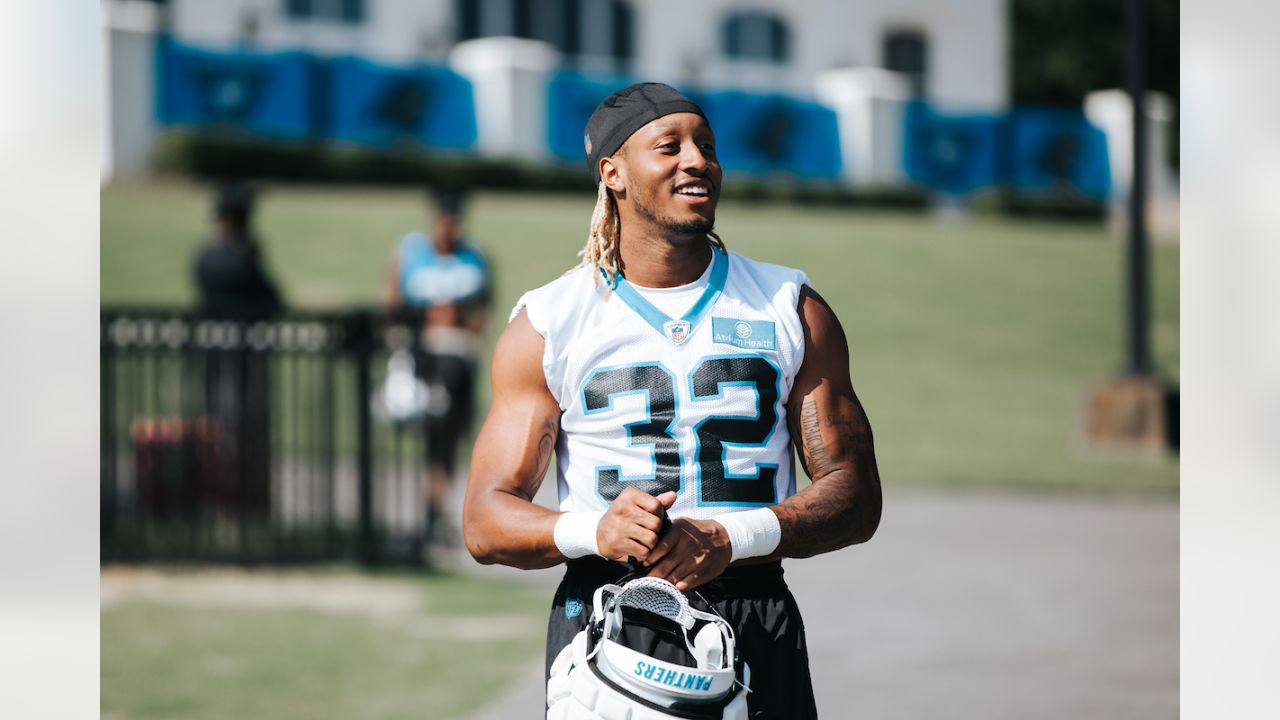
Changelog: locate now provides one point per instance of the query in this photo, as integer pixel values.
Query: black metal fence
(261, 441)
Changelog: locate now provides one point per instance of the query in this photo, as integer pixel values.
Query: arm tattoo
(546, 445)
(842, 505)
(814, 452)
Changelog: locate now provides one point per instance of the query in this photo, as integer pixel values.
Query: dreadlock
(602, 248)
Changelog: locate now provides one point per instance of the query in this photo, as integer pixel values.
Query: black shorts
(443, 432)
(754, 599)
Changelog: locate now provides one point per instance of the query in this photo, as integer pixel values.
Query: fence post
(362, 342)
(107, 442)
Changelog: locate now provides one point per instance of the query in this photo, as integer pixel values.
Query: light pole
(1137, 327)
(1135, 410)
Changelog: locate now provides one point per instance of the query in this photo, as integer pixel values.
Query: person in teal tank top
(442, 283)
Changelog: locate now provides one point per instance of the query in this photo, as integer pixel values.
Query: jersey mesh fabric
(705, 417)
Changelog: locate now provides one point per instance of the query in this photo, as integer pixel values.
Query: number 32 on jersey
(712, 436)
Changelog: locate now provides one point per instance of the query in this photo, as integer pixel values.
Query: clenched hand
(691, 553)
(631, 525)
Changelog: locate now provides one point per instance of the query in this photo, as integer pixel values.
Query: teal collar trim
(658, 319)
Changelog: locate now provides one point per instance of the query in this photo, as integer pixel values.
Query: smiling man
(671, 379)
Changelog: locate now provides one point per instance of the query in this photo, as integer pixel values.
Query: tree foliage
(1063, 49)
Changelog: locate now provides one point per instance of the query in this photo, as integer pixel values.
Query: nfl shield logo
(677, 331)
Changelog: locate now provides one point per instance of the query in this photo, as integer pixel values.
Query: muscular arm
(830, 429)
(500, 522)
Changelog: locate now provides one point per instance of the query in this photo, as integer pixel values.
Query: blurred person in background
(443, 282)
(229, 274)
(232, 284)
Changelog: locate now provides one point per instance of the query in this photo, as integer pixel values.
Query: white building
(956, 49)
(952, 52)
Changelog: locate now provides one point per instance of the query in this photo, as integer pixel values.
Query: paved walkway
(981, 606)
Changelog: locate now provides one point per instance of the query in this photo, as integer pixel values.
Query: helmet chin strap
(708, 647)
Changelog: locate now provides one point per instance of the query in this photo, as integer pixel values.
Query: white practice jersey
(695, 404)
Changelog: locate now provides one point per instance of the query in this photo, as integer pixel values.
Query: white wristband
(575, 533)
(752, 533)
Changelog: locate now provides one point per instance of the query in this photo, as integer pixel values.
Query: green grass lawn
(974, 341)
(441, 657)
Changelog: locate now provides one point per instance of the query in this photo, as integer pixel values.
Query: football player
(671, 378)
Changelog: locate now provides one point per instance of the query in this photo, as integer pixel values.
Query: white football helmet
(598, 677)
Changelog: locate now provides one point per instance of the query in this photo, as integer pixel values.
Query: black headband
(618, 116)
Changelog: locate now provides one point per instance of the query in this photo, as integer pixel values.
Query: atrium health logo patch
(748, 334)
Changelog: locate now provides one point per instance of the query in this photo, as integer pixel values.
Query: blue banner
(765, 135)
(1056, 149)
(265, 94)
(759, 135)
(1033, 150)
(296, 96)
(384, 106)
(952, 153)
